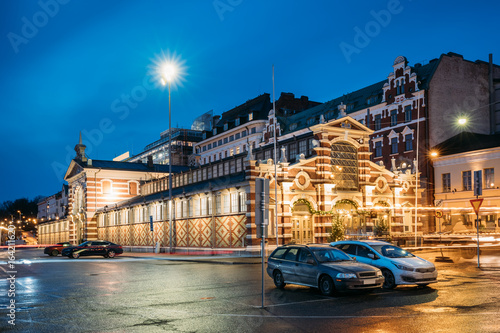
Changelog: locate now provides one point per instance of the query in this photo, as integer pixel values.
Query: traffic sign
(439, 214)
(476, 203)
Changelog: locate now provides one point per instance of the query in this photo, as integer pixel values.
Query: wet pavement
(175, 293)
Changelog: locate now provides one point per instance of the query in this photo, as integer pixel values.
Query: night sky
(69, 66)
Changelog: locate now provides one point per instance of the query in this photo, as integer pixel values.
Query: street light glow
(462, 121)
(168, 69)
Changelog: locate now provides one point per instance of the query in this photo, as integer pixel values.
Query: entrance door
(302, 229)
(302, 224)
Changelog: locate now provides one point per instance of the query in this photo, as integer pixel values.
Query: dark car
(93, 248)
(323, 267)
(56, 249)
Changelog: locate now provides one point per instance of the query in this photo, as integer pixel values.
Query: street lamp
(169, 71)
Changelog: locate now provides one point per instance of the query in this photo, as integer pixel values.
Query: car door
(287, 265)
(362, 254)
(98, 248)
(306, 267)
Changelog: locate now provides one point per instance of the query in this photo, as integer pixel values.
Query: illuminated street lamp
(169, 71)
(462, 121)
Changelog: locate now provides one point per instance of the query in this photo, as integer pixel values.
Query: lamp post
(168, 74)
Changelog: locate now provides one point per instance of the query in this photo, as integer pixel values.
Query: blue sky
(69, 66)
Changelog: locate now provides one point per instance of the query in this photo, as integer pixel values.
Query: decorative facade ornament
(302, 180)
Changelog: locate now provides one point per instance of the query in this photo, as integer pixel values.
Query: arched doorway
(302, 224)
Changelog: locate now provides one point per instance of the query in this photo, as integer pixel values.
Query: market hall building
(356, 157)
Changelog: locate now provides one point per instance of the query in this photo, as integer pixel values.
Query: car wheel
(111, 254)
(54, 253)
(468, 253)
(326, 285)
(75, 255)
(279, 282)
(390, 281)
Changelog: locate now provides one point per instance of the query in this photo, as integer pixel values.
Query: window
(267, 154)
(210, 205)
(237, 136)
(209, 146)
(219, 143)
(489, 178)
(243, 202)
(302, 147)
(215, 144)
(394, 117)
(378, 149)
(446, 182)
(378, 122)
(106, 187)
(254, 130)
(394, 145)
(292, 149)
(226, 126)
(237, 122)
(403, 86)
(293, 127)
(350, 107)
(234, 202)
(311, 121)
(225, 140)
(218, 204)
(311, 146)
(250, 116)
(243, 134)
(214, 132)
(226, 207)
(466, 181)
(398, 88)
(407, 113)
(408, 142)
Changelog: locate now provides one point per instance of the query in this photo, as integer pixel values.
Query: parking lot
(147, 293)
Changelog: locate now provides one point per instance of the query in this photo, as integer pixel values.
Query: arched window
(344, 160)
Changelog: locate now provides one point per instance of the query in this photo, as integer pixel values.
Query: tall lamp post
(168, 74)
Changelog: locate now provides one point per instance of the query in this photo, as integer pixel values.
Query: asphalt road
(144, 294)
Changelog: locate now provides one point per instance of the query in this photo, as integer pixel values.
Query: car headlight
(346, 276)
(379, 274)
(402, 267)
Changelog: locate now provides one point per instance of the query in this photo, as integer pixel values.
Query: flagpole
(275, 168)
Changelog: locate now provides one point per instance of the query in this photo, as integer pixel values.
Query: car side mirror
(311, 261)
(373, 256)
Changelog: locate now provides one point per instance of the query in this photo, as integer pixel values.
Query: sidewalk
(221, 259)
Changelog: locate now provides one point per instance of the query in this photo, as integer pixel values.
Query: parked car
(398, 266)
(321, 266)
(56, 249)
(93, 248)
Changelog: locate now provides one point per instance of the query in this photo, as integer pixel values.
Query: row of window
(193, 176)
(394, 145)
(488, 180)
(225, 140)
(193, 207)
(292, 150)
(394, 118)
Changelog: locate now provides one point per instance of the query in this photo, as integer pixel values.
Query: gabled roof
(467, 142)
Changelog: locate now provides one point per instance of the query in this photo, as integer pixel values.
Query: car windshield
(391, 251)
(326, 255)
(87, 243)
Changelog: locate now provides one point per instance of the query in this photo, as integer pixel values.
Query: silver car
(323, 267)
(398, 266)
